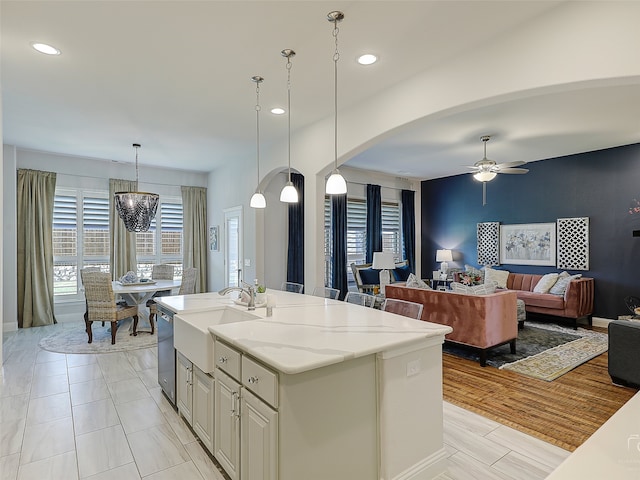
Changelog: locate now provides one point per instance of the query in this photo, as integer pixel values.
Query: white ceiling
(175, 77)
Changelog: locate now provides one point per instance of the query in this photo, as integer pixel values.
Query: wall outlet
(247, 262)
(413, 368)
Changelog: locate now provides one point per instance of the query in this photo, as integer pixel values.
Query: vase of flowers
(470, 278)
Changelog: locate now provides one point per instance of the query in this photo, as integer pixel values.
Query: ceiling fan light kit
(486, 170)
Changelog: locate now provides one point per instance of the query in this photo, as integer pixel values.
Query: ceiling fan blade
(513, 170)
(517, 163)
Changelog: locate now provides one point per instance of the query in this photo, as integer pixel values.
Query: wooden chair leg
(88, 330)
(114, 329)
(152, 322)
(135, 325)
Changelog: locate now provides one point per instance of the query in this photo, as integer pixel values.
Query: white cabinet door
(203, 392)
(184, 391)
(226, 440)
(259, 451)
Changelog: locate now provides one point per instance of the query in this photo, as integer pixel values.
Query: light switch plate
(247, 262)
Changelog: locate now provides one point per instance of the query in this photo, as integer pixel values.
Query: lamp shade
(258, 200)
(444, 256)
(336, 184)
(289, 194)
(383, 261)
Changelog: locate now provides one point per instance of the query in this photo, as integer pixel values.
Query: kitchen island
(321, 389)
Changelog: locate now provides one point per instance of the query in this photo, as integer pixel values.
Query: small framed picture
(214, 242)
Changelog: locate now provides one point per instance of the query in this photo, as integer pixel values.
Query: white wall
(71, 172)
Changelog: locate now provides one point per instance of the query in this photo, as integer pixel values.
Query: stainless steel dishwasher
(166, 353)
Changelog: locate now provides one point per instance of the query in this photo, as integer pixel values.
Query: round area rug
(75, 340)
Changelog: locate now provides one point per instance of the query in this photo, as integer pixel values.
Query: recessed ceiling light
(367, 59)
(46, 49)
(277, 111)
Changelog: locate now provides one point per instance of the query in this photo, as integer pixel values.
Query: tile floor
(104, 417)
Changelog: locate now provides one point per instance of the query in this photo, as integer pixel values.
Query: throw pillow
(561, 285)
(483, 289)
(401, 274)
(545, 283)
(475, 271)
(498, 276)
(413, 281)
(369, 276)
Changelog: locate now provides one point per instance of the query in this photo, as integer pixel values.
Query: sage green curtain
(194, 231)
(36, 195)
(122, 243)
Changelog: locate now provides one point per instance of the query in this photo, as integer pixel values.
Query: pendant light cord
(258, 125)
(336, 57)
(289, 110)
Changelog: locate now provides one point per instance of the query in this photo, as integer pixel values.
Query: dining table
(139, 292)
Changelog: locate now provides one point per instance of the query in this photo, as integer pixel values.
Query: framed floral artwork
(214, 242)
(528, 244)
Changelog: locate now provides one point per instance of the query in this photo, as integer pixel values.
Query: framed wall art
(528, 244)
(214, 242)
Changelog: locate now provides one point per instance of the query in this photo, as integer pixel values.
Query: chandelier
(136, 209)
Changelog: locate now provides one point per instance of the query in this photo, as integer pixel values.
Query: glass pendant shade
(289, 194)
(136, 209)
(258, 201)
(485, 176)
(336, 184)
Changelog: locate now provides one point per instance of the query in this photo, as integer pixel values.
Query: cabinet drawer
(227, 359)
(260, 380)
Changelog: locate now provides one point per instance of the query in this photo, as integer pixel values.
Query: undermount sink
(192, 337)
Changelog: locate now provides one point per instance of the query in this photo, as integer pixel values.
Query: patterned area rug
(534, 338)
(559, 360)
(74, 340)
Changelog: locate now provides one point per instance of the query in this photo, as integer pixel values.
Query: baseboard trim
(601, 322)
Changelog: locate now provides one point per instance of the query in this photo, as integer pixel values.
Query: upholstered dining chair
(102, 306)
(403, 307)
(292, 287)
(163, 271)
(358, 298)
(187, 287)
(326, 292)
(189, 279)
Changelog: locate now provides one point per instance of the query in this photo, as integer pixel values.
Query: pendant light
(136, 209)
(289, 194)
(257, 199)
(336, 184)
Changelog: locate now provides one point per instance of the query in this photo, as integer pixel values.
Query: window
(357, 234)
(166, 247)
(81, 238)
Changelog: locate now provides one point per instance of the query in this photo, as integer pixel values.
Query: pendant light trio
(336, 185)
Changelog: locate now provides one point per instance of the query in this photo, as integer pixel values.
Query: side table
(438, 284)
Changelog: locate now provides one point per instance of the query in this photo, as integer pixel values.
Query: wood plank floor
(564, 412)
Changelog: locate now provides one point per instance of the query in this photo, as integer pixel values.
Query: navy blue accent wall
(603, 185)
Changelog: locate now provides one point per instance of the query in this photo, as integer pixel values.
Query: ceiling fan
(486, 170)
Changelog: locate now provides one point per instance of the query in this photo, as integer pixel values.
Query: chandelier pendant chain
(136, 146)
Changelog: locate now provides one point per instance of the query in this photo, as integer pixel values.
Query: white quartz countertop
(317, 332)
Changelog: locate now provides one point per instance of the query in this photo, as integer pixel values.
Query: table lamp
(384, 262)
(444, 256)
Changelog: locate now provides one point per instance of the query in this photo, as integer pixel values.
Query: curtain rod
(105, 178)
(381, 186)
